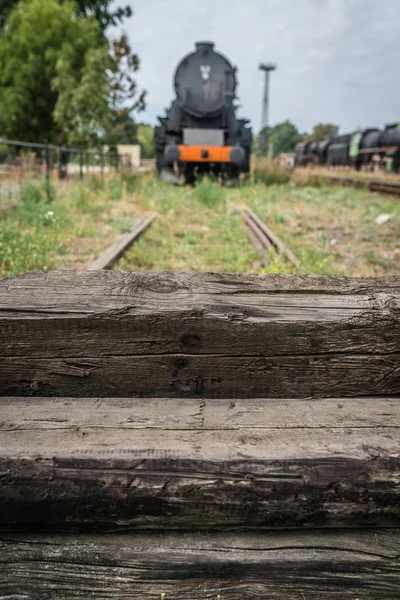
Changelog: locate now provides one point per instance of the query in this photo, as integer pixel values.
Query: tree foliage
(322, 131)
(52, 73)
(60, 78)
(283, 137)
(124, 89)
(145, 135)
(100, 9)
(123, 130)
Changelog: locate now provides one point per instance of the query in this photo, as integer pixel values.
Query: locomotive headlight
(237, 155)
(171, 153)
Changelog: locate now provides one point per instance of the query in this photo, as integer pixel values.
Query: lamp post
(267, 68)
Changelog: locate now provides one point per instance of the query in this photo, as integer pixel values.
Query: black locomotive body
(200, 132)
(370, 149)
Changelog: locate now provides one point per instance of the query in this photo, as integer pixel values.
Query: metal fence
(22, 160)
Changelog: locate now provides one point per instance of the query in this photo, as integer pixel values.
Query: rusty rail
(264, 238)
(116, 250)
(374, 185)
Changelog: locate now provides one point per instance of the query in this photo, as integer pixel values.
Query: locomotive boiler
(201, 132)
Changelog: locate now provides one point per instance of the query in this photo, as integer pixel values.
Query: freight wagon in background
(369, 150)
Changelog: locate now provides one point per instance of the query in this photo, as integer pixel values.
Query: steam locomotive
(371, 149)
(200, 132)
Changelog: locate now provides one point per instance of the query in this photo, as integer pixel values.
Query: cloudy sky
(338, 60)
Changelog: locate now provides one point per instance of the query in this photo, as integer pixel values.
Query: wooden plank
(208, 376)
(30, 414)
(106, 467)
(291, 565)
(116, 250)
(117, 333)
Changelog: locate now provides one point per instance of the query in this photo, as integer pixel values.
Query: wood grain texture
(209, 376)
(30, 414)
(109, 465)
(289, 565)
(216, 335)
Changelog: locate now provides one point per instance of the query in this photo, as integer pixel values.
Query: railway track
(385, 187)
(263, 238)
(116, 250)
(375, 185)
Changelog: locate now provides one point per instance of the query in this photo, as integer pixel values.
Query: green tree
(100, 9)
(125, 95)
(322, 131)
(60, 78)
(123, 130)
(145, 134)
(5, 9)
(53, 73)
(283, 137)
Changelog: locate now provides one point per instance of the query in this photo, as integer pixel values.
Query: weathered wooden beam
(289, 565)
(154, 463)
(73, 414)
(216, 335)
(210, 376)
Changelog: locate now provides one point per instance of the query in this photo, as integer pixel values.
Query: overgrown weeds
(269, 173)
(57, 226)
(331, 230)
(209, 192)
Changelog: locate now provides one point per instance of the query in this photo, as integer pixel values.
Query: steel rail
(116, 250)
(373, 185)
(263, 238)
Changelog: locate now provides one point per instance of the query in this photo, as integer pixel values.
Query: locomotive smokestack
(204, 46)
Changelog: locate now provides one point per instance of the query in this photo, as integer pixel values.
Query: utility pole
(267, 68)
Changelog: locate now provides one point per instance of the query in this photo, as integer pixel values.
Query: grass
(268, 172)
(66, 226)
(194, 231)
(209, 194)
(331, 229)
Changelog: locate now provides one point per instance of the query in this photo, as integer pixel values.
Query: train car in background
(201, 132)
(367, 150)
(337, 150)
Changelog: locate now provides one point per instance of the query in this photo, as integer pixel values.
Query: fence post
(87, 163)
(60, 165)
(80, 165)
(47, 159)
(102, 163)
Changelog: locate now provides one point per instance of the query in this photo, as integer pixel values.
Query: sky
(337, 60)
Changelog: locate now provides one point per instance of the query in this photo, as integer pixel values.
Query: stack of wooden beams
(199, 435)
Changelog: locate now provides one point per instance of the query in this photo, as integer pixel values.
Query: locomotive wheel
(189, 174)
(190, 178)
